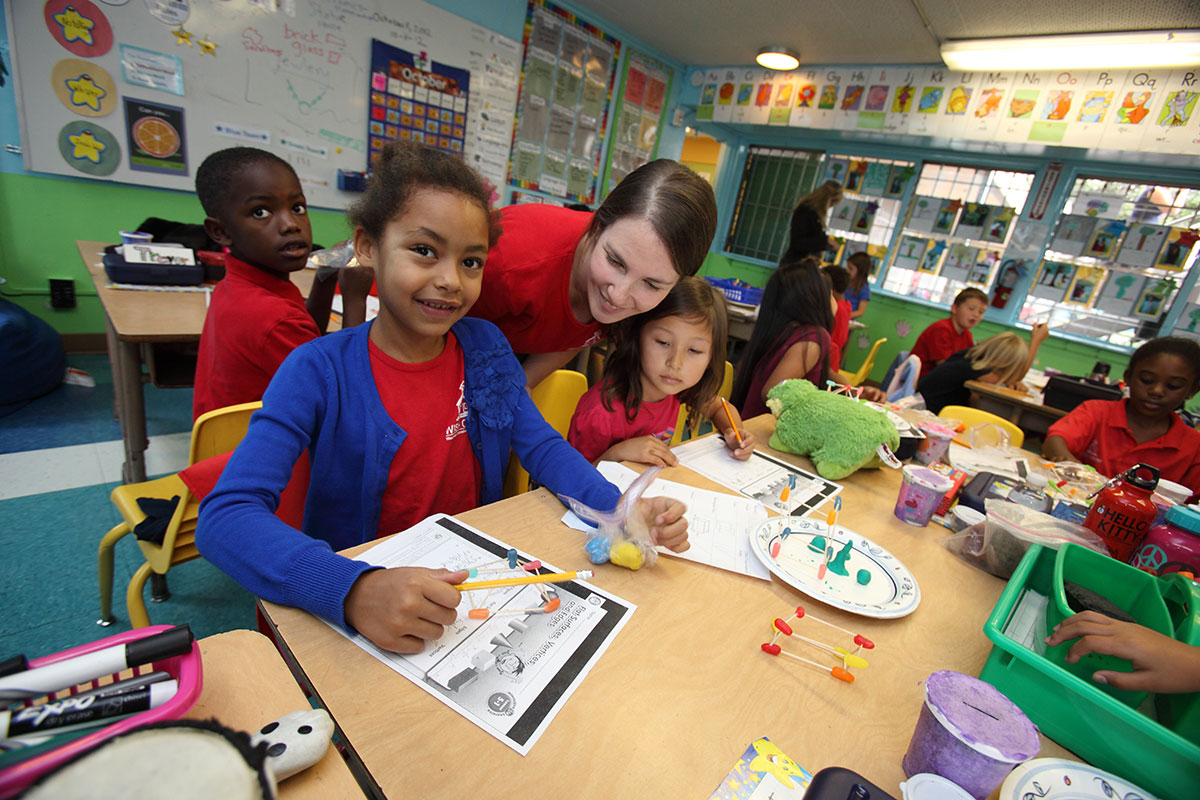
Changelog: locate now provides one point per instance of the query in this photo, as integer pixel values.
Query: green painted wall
(45, 215)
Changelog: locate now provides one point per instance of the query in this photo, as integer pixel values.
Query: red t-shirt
(254, 321)
(435, 469)
(527, 278)
(1097, 432)
(840, 335)
(594, 428)
(938, 342)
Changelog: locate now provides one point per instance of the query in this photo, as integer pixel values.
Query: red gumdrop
(842, 675)
(532, 566)
(773, 649)
(799, 612)
(783, 627)
(775, 547)
(552, 605)
(859, 639)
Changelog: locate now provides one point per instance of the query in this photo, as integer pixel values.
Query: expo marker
(27, 725)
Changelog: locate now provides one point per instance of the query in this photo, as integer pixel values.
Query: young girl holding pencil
(410, 415)
(672, 354)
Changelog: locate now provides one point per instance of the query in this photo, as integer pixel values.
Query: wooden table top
(247, 685)
(155, 316)
(1015, 396)
(685, 687)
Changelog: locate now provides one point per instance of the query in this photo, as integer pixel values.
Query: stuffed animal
(838, 433)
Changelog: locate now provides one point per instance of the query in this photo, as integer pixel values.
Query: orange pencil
(729, 414)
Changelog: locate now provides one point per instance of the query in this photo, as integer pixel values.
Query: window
(1118, 256)
(773, 180)
(870, 209)
(959, 221)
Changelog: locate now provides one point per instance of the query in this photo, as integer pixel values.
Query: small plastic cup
(928, 786)
(935, 444)
(136, 237)
(921, 490)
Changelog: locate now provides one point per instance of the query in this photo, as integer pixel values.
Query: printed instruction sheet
(512, 672)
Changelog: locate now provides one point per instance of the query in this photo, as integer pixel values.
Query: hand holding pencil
(739, 440)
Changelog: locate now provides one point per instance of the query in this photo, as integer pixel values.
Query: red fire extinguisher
(1004, 285)
(1123, 511)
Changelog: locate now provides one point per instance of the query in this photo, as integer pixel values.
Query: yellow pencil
(729, 414)
(524, 580)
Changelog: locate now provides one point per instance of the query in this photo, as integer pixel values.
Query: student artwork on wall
(897, 180)
(1141, 244)
(1153, 299)
(1083, 288)
(856, 175)
(1118, 292)
(1052, 280)
(959, 260)
(981, 270)
(833, 252)
(943, 220)
(996, 227)
(910, 251)
(638, 116)
(1073, 234)
(970, 223)
(1104, 239)
(864, 217)
(932, 257)
(843, 214)
(1178, 245)
(1098, 204)
(875, 182)
(836, 169)
(922, 213)
(1188, 323)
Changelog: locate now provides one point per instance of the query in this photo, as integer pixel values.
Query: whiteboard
(289, 76)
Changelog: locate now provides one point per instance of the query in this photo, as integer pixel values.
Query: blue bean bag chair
(32, 358)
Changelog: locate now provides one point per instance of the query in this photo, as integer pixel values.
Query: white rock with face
(295, 741)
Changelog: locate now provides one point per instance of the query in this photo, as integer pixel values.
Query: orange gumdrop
(552, 605)
(478, 613)
(842, 675)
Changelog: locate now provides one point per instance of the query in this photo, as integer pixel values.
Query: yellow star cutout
(75, 25)
(84, 92)
(207, 46)
(86, 146)
(182, 37)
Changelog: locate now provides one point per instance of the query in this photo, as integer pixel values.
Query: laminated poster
(84, 87)
(1119, 292)
(155, 135)
(414, 99)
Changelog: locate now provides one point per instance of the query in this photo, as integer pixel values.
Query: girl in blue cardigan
(411, 415)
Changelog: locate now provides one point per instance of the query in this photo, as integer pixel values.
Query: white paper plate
(903, 426)
(891, 592)
(1059, 779)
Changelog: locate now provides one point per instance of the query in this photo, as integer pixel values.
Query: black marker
(75, 712)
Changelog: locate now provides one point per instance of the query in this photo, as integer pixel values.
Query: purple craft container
(969, 733)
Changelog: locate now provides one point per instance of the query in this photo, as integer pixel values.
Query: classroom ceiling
(730, 32)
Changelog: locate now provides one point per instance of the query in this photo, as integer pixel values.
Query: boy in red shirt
(256, 317)
(947, 336)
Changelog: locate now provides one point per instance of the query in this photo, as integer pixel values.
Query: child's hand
(1039, 333)
(664, 517)
(400, 609)
(743, 450)
(875, 395)
(356, 282)
(1160, 663)
(643, 450)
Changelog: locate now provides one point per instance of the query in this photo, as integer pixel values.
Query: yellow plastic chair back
(974, 416)
(214, 433)
(681, 420)
(556, 397)
(856, 378)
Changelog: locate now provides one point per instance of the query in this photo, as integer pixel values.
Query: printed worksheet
(511, 671)
(761, 478)
(719, 525)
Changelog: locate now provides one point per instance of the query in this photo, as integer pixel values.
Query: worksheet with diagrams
(511, 672)
(760, 477)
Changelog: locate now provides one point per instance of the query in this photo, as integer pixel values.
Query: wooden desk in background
(136, 321)
(685, 687)
(247, 685)
(1025, 411)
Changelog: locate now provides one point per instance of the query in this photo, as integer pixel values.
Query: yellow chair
(214, 433)
(974, 416)
(556, 397)
(681, 421)
(856, 378)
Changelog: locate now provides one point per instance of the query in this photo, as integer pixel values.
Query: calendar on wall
(415, 99)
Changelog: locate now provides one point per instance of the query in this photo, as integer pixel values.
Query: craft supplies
(963, 517)
(849, 658)
(935, 444)
(1123, 511)
(927, 786)
(136, 237)
(969, 733)
(1173, 546)
(921, 490)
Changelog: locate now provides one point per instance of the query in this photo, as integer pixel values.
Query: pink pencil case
(185, 669)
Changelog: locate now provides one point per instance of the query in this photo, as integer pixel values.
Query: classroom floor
(60, 456)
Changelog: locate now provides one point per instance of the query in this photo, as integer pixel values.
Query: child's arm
(538, 366)
(725, 418)
(1038, 334)
(862, 309)
(642, 450)
(355, 283)
(799, 359)
(400, 609)
(1160, 663)
(1055, 449)
(320, 300)
(1070, 436)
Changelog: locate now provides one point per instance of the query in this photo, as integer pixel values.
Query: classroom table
(135, 321)
(1026, 411)
(247, 685)
(684, 688)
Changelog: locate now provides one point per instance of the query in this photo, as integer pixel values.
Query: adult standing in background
(557, 278)
(808, 237)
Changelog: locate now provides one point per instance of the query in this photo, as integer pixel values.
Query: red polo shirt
(527, 278)
(938, 342)
(1097, 432)
(840, 335)
(254, 320)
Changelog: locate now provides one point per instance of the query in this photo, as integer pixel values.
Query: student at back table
(256, 209)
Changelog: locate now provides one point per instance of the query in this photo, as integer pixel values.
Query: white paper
(510, 673)
(719, 525)
(761, 478)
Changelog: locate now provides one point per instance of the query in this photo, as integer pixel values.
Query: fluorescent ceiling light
(1076, 51)
(781, 58)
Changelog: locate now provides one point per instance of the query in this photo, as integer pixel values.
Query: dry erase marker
(63, 674)
(72, 713)
(127, 685)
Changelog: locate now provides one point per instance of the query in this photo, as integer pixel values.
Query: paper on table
(761, 478)
(372, 306)
(719, 525)
(510, 673)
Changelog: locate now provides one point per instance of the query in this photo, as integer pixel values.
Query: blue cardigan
(323, 399)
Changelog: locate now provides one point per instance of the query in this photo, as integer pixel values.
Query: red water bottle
(1123, 511)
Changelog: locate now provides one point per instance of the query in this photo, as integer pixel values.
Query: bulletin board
(637, 116)
(566, 84)
(141, 92)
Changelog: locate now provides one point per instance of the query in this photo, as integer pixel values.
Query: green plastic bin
(1095, 722)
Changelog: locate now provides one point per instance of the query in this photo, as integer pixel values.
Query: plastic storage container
(1033, 493)
(736, 291)
(1173, 546)
(1095, 722)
